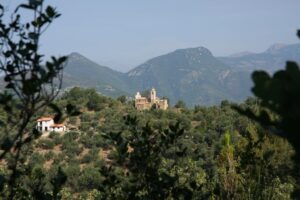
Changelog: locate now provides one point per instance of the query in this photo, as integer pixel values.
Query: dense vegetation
(115, 152)
(112, 151)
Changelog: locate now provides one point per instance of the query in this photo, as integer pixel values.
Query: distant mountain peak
(275, 47)
(75, 55)
(196, 50)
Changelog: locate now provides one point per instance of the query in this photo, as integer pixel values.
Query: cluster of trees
(115, 152)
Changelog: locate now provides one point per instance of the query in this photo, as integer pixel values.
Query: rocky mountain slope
(194, 75)
(272, 59)
(83, 72)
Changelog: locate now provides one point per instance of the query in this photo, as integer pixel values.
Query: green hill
(193, 75)
(83, 72)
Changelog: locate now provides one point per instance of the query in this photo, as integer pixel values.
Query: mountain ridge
(194, 74)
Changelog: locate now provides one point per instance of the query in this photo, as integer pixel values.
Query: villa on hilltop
(152, 101)
(46, 124)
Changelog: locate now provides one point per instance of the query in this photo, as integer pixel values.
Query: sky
(123, 34)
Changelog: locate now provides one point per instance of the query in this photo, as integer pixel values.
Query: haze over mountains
(194, 75)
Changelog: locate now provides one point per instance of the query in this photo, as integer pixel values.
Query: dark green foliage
(57, 139)
(122, 99)
(49, 155)
(45, 144)
(121, 153)
(280, 95)
(31, 85)
(178, 153)
(90, 178)
(180, 104)
(71, 149)
(70, 136)
(57, 181)
(279, 105)
(36, 159)
(87, 98)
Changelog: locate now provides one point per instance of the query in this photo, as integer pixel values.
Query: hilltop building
(46, 124)
(152, 101)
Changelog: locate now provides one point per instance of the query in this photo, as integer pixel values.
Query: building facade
(46, 124)
(151, 101)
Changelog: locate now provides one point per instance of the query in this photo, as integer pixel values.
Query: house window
(46, 128)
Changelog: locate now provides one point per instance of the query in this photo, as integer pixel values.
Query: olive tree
(30, 84)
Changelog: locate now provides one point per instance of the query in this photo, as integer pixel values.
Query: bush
(46, 144)
(49, 155)
(71, 148)
(53, 134)
(73, 120)
(99, 141)
(36, 159)
(55, 137)
(87, 158)
(86, 117)
(90, 178)
(58, 159)
(71, 136)
(84, 126)
(87, 141)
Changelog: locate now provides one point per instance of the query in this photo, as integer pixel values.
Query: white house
(58, 127)
(46, 124)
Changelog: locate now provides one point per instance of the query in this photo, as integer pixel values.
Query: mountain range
(193, 75)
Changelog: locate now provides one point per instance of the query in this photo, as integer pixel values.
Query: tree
(180, 104)
(31, 84)
(279, 101)
(228, 177)
(144, 164)
(122, 99)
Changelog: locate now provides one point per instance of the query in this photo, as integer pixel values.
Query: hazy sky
(123, 34)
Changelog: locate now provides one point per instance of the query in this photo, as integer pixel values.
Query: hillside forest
(247, 150)
(113, 151)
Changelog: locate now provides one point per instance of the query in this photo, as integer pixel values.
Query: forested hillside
(113, 151)
(80, 71)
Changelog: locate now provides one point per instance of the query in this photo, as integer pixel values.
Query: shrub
(71, 148)
(36, 159)
(46, 144)
(73, 120)
(49, 155)
(71, 136)
(85, 126)
(87, 141)
(87, 158)
(53, 134)
(90, 178)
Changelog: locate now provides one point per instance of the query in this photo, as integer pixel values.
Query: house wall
(163, 104)
(45, 125)
(58, 129)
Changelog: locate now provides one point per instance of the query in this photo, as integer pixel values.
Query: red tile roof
(44, 119)
(57, 125)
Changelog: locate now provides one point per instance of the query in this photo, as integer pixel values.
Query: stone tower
(153, 95)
